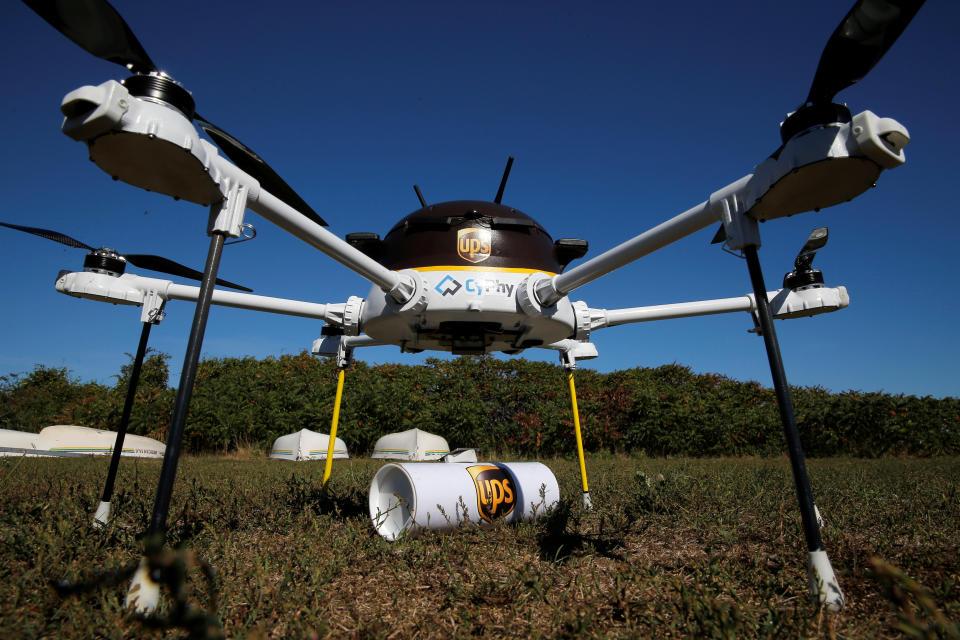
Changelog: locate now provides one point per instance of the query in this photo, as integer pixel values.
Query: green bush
(514, 405)
(45, 396)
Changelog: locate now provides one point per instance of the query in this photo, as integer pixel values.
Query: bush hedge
(511, 405)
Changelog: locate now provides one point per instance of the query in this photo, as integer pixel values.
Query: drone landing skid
(823, 582)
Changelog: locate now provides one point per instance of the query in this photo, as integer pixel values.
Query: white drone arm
(152, 293)
(341, 347)
(817, 168)
(572, 350)
(329, 345)
(550, 290)
(353, 342)
(395, 284)
(784, 304)
(155, 147)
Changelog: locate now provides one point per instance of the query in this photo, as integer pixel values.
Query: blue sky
(619, 115)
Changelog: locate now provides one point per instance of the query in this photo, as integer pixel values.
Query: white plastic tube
(408, 497)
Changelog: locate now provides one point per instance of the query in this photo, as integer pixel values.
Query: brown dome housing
(469, 233)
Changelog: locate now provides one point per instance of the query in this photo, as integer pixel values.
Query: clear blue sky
(619, 115)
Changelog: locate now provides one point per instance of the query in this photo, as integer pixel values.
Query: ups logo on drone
(496, 495)
(473, 245)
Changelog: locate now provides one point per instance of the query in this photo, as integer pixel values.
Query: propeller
(816, 241)
(804, 275)
(110, 260)
(862, 38)
(99, 29)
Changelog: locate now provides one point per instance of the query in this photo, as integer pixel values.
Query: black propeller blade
(99, 29)
(142, 260)
(56, 236)
(862, 38)
(803, 274)
(816, 241)
(245, 158)
(866, 33)
(165, 265)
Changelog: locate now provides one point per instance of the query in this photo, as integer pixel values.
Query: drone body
(471, 257)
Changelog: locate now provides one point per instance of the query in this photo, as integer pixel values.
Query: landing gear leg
(144, 593)
(328, 467)
(102, 516)
(823, 582)
(344, 358)
(569, 363)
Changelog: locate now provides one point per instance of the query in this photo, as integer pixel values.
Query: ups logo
(496, 495)
(473, 244)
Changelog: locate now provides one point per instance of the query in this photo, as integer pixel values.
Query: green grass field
(674, 548)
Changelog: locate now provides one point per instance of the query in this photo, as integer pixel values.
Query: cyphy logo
(496, 495)
(473, 244)
(448, 286)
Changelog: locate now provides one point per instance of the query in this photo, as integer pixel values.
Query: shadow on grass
(301, 493)
(561, 536)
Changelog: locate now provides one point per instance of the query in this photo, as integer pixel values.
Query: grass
(674, 548)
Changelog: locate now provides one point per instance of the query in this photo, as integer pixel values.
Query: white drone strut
(821, 168)
(172, 159)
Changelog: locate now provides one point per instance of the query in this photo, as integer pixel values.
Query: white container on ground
(71, 439)
(412, 444)
(17, 443)
(406, 498)
(307, 445)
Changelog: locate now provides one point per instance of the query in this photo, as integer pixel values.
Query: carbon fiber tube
(785, 402)
(168, 471)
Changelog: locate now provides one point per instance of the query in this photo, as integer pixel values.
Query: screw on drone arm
(102, 515)
(822, 579)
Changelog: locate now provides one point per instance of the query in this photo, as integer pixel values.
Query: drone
(467, 276)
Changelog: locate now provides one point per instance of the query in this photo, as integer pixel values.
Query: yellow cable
(576, 429)
(333, 428)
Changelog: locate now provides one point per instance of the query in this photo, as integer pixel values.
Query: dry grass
(675, 548)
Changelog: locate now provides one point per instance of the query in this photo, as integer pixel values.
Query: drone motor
(106, 261)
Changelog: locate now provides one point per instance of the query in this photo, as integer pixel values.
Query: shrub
(515, 406)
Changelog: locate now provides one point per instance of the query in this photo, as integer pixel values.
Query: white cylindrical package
(408, 497)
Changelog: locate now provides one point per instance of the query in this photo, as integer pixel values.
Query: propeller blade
(816, 241)
(50, 235)
(862, 38)
(165, 265)
(97, 27)
(245, 158)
